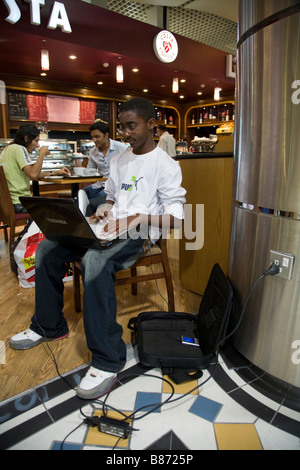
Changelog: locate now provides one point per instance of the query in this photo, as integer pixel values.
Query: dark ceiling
(100, 36)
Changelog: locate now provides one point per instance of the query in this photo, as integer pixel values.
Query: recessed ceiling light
(145, 90)
(199, 93)
(163, 86)
(43, 74)
(100, 83)
(181, 96)
(135, 69)
(182, 80)
(72, 57)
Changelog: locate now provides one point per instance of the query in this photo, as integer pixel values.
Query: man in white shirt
(143, 190)
(99, 158)
(166, 140)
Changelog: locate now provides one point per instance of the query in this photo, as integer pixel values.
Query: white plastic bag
(24, 255)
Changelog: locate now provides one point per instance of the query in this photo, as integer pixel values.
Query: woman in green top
(19, 168)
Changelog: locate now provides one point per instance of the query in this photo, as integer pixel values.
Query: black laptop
(62, 221)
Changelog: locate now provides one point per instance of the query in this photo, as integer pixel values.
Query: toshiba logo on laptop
(57, 221)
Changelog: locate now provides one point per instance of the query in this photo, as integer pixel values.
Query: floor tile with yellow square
(96, 438)
(237, 437)
(183, 388)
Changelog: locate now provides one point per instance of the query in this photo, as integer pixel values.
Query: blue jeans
(103, 333)
(96, 198)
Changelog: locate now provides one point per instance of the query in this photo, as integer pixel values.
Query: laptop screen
(61, 220)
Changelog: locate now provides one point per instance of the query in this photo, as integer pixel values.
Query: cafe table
(74, 181)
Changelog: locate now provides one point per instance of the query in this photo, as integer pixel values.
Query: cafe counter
(207, 178)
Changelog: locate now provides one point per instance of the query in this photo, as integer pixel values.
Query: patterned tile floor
(238, 408)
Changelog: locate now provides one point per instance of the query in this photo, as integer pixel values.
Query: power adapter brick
(114, 427)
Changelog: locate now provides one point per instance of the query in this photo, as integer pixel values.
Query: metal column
(266, 193)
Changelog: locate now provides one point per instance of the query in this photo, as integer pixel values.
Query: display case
(4, 143)
(61, 154)
(84, 146)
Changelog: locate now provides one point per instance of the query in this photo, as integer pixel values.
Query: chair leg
(5, 227)
(11, 241)
(169, 283)
(76, 288)
(133, 272)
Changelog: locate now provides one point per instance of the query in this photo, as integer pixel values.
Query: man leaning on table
(144, 192)
(18, 166)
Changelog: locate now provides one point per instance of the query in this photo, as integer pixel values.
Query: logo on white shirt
(129, 187)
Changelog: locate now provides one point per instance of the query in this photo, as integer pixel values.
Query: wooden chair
(8, 217)
(145, 260)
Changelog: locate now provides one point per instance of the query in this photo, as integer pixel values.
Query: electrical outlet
(285, 261)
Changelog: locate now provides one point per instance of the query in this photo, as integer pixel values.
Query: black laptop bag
(167, 340)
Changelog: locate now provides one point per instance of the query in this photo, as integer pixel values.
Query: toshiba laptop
(62, 221)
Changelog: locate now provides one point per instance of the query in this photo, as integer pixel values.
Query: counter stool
(145, 260)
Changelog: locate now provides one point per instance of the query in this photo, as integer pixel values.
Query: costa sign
(165, 47)
(58, 16)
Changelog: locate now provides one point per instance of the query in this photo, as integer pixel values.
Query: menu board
(54, 108)
(17, 104)
(63, 109)
(87, 111)
(103, 111)
(37, 108)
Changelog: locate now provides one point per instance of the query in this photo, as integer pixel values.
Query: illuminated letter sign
(35, 13)
(58, 16)
(14, 11)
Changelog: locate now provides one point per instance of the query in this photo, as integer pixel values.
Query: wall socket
(285, 261)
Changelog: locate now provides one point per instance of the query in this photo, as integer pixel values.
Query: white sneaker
(28, 339)
(25, 340)
(95, 383)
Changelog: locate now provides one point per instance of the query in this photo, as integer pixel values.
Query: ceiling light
(181, 97)
(175, 85)
(45, 58)
(100, 83)
(145, 90)
(43, 74)
(217, 93)
(182, 80)
(199, 93)
(135, 69)
(119, 73)
(73, 57)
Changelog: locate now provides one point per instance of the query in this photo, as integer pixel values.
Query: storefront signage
(58, 16)
(165, 47)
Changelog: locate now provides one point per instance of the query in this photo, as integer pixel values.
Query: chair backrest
(7, 212)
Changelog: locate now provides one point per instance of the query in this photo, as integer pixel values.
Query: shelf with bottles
(167, 115)
(210, 114)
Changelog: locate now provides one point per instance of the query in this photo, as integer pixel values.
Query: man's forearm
(164, 221)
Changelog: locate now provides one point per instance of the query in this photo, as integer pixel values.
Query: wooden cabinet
(202, 120)
(208, 182)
